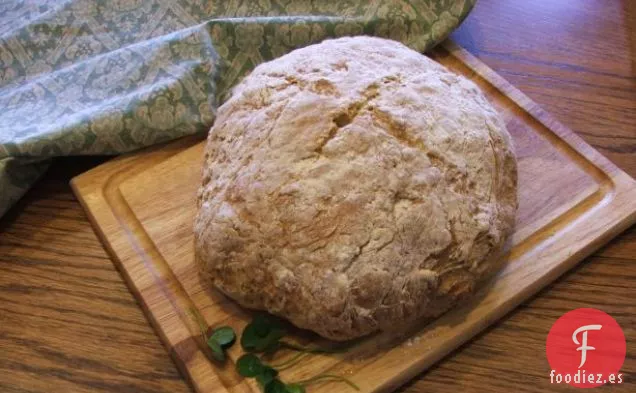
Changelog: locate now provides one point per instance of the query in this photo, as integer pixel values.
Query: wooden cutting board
(572, 200)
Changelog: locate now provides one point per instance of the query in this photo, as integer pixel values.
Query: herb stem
(334, 377)
(300, 348)
(289, 362)
(200, 321)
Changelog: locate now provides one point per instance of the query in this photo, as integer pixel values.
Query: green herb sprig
(251, 366)
(264, 335)
(219, 341)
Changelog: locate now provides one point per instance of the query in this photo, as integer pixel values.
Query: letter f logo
(584, 347)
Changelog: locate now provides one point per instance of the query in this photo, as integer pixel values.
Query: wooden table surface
(69, 324)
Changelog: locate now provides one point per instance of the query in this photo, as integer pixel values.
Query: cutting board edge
(603, 168)
(185, 363)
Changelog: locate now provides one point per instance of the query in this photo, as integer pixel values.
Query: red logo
(586, 348)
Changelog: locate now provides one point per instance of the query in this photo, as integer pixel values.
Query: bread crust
(353, 185)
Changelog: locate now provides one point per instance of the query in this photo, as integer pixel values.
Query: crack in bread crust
(376, 189)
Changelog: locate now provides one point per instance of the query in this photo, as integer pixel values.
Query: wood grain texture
(571, 201)
(55, 338)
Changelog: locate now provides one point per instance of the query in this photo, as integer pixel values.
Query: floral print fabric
(111, 76)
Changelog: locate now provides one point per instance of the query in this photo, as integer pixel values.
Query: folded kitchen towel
(111, 76)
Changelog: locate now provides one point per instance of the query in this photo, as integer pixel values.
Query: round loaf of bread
(353, 185)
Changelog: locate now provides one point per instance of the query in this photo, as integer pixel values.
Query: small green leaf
(264, 323)
(269, 343)
(295, 388)
(275, 386)
(217, 350)
(261, 325)
(262, 334)
(249, 338)
(249, 365)
(224, 336)
(266, 376)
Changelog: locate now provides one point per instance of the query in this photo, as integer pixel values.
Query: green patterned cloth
(106, 77)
